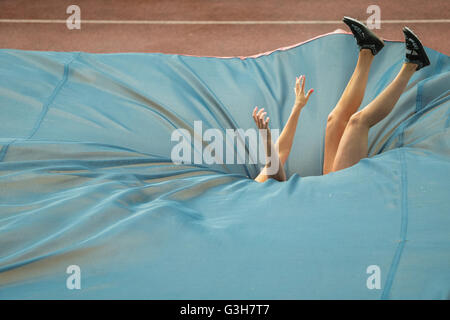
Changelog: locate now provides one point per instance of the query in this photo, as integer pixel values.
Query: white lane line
(229, 22)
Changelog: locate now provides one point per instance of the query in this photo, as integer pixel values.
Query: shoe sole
(410, 34)
(363, 27)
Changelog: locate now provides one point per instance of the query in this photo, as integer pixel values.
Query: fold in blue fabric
(86, 179)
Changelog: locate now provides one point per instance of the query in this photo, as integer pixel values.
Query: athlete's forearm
(286, 138)
(272, 159)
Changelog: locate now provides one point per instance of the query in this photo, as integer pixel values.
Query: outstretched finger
(309, 93)
(297, 84)
(261, 118)
(254, 115)
(257, 119)
(303, 83)
(267, 122)
(259, 112)
(261, 122)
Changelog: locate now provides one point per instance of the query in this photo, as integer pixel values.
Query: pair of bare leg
(346, 137)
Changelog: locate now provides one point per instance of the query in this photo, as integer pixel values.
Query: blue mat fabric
(86, 179)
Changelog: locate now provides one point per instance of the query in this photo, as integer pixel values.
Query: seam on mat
(403, 229)
(45, 107)
(419, 102)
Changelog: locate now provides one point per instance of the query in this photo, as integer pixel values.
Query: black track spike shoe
(415, 53)
(365, 38)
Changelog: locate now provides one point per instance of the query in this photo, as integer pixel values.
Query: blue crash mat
(86, 179)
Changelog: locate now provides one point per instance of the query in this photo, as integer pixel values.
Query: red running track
(210, 39)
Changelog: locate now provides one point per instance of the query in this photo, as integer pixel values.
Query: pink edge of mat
(337, 31)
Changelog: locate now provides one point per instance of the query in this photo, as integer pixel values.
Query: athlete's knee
(357, 120)
(335, 121)
(331, 118)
